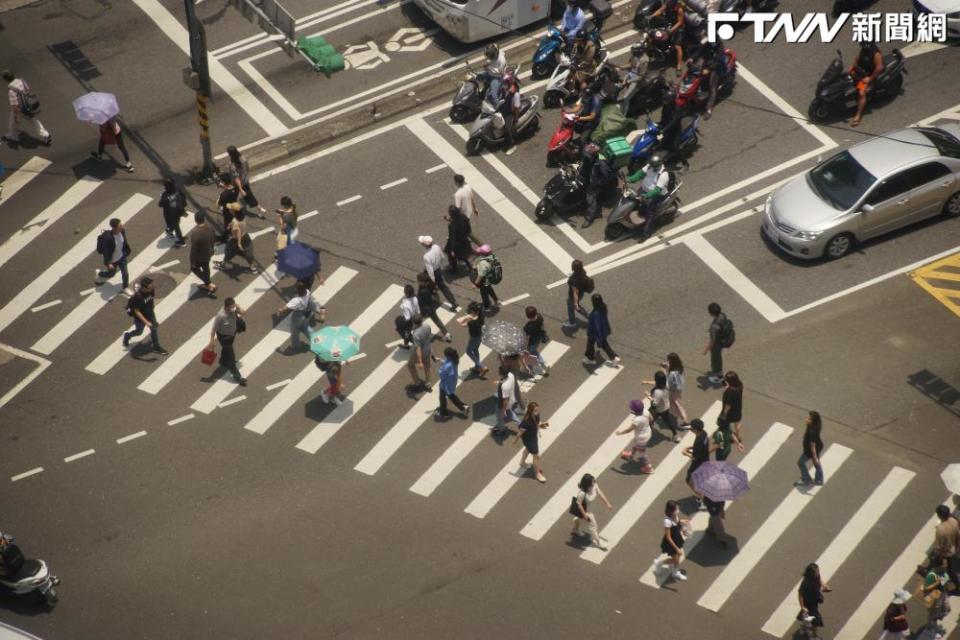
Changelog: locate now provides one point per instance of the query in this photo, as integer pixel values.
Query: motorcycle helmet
(637, 50)
(656, 161)
(492, 51)
(581, 34)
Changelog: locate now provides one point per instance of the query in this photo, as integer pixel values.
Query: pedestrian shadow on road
(26, 142)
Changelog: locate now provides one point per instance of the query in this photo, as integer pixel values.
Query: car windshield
(946, 144)
(841, 180)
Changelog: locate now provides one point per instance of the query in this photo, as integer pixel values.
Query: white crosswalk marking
(22, 176)
(843, 544)
(190, 350)
(268, 345)
(294, 389)
(864, 619)
(769, 532)
(653, 485)
(57, 209)
(553, 510)
(471, 438)
(410, 422)
(91, 304)
(562, 418)
(758, 456)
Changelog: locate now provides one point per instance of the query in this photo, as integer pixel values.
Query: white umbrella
(96, 107)
(951, 477)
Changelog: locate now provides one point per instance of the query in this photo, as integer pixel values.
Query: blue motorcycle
(547, 56)
(651, 138)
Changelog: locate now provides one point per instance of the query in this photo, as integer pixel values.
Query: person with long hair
(598, 330)
(723, 440)
(429, 302)
(240, 173)
(640, 426)
(536, 335)
(660, 404)
(580, 508)
(675, 384)
(448, 384)
(530, 426)
(287, 221)
(733, 402)
(812, 446)
(473, 321)
(578, 285)
(810, 594)
(672, 542)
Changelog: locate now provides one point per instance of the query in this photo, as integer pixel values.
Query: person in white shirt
(640, 426)
(303, 307)
(17, 91)
(409, 307)
(433, 265)
(654, 186)
(463, 197)
(589, 491)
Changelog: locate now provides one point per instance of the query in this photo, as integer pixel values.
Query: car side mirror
(867, 208)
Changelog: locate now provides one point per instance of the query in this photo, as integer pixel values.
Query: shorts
(861, 86)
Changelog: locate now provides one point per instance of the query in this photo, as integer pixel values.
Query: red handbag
(208, 355)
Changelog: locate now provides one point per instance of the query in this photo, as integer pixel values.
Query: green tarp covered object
(612, 124)
(324, 57)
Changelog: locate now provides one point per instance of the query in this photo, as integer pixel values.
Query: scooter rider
(655, 182)
(492, 72)
(673, 11)
(864, 72)
(670, 116)
(573, 18)
(712, 66)
(588, 111)
(510, 110)
(583, 57)
(597, 175)
(11, 558)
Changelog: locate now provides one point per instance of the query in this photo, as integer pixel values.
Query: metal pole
(207, 170)
(198, 62)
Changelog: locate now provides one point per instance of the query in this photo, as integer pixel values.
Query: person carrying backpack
(303, 307)
(174, 206)
(140, 308)
(721, 336)
(487, 272)
(112, 245)
(23, 103)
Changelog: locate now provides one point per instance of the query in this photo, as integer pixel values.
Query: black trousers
(454, 399)
(249, 198)
(120, 145)
(442, 286)
(172, 220)
(228, 357)
(487, 294)
(592, 343)
(202, 271)
(716, 359)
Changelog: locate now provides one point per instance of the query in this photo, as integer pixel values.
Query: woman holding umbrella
(718, 482)
(333, 347)
(110, 133)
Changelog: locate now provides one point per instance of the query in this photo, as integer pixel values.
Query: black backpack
(727, 333)
(29, 103)
(103, 242)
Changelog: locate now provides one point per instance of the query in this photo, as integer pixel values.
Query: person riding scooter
(583, 57)
(670, 117)
(588, 111)
(573, 19)
(597, 175)
(712, 65)
(496, 64)
(11, 558)
(864, 71)
(655, 182)
(672, 10)
(510, 109)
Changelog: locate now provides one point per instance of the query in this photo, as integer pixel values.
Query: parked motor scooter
(630, 213)
(837, 91)
(489, 129)
(565, 145)
(29, 576)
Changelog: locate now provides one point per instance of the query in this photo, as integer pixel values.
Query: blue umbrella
(298, 260)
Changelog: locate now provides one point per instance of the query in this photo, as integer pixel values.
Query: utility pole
(197, 77)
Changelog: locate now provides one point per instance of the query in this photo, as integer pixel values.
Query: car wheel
(952, 206)
(838, 246)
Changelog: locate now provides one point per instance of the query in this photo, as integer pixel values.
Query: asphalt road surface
(174, 504)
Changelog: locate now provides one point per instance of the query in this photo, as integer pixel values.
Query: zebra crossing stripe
(294, 389)
(258, 354)
(864, 619)
(769, 532)
(22, 177)
(560, 420)
(471, 438)
(57, 209)
(399, 433)
(91, 304)
(758, 456)
(653, 485)
(843, 544)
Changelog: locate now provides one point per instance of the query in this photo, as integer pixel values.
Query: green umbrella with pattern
(335, 343)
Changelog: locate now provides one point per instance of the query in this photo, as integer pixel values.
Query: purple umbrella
(720, 481)
(298, 260)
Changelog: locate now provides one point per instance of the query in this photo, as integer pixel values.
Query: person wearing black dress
(458, 249)
(530, 427)
(698, 454)
(733, 402)
(672, 541)
(810, 594)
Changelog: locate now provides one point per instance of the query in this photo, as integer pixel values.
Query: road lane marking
(22, 177)
(132, 436)
(653, 485)
(522, 296)
(784, 106)
(903, 569)
(89, 306)
(177, 421)
(77, 456)
(757, 457)
(227, 403)
(42, 364)
(269, 344)
(561, 419)
(395, 183)
(56, 210)
(348, 200)
(763, 539)
(46, 305)
(277, 385)
(294, 389)
(26, 474)
(843, 544)
(932, 278)
(471, 438)
(436, 168)
(400, 432)
(165, 265)
(230, 85)
(87, 292)
(492, 196)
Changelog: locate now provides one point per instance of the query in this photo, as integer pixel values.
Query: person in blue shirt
(448, 384)
(588, 110)
(573, 19)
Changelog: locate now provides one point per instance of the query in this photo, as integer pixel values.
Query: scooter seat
(27, 569)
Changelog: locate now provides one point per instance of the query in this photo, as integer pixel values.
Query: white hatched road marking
(132, 436)
(42, 364)
(769, 532)
(843, 544)
(177, 421)
(227, 403)
(89, 306)
(294, 389)
(653, 485)
(561, 419)
(391, 442)
(758, 456)
(864, 619)
(77, 456)
(26, 474)
(494, 198)
(46, 305)
(22, 177)
(268, 345)
(277, 385)
(471, 438)
(435, 168)
(57, 209)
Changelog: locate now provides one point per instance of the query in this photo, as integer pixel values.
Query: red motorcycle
(693, 93)
(565, 145)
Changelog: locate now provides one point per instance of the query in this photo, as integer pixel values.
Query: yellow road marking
(933, 277)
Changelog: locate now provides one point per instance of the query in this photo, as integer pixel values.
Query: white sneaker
(448, 337)
(569, 325)
(587, 361)
(336, 400)
(325, 396)
(658, 564)
(715, 379)
(677, 575)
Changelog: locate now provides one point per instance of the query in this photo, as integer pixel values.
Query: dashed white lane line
(177, 421)
(87, 292)
(395, 183)
(436, 168)
(77, 456)
(26, 474)
(349, 200)
(227, 403)
(277, 385)
(46, 305)
(132, 436)
(522, 296)
(165, 265)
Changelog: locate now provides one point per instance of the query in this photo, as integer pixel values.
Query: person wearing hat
(640, 426)
(895, 623)
(433, 265)
(480, 276)
(140, 307)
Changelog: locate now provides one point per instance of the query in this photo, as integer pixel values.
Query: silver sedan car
(874, 187)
